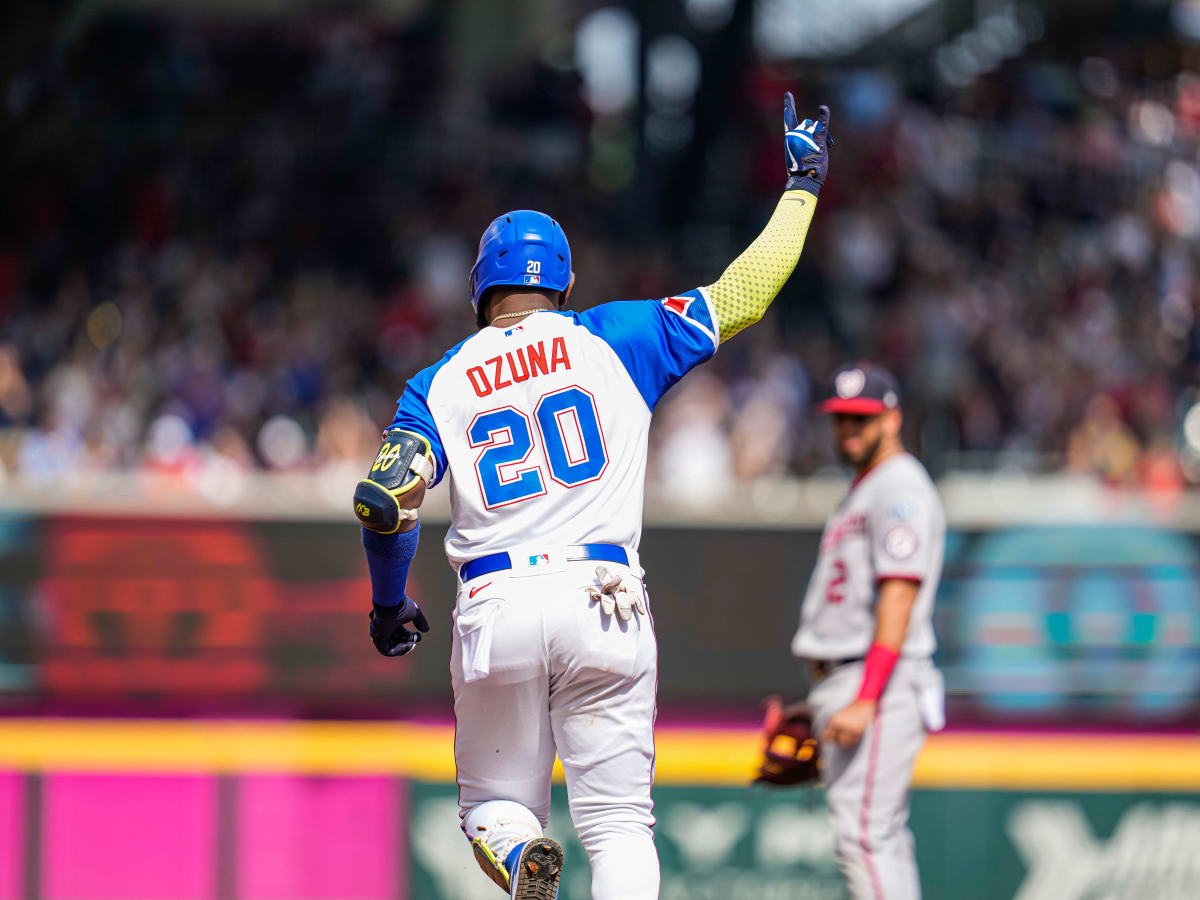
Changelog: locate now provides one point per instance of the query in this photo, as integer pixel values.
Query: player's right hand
(847, 726)
(806, 146)
(388, 631)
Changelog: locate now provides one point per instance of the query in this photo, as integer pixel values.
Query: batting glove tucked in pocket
(616, 593)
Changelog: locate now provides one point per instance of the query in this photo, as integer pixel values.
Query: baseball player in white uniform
(541, 420)
(866, 630)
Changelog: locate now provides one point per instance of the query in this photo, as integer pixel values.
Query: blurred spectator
(16, 400)
(251, 240)
(691, 457)
(1103, 445)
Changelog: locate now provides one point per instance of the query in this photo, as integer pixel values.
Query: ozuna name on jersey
(517, 366)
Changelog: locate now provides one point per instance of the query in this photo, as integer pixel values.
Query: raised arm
(742, 294)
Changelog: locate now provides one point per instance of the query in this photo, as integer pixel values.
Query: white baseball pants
(538, 668)
(867, 786)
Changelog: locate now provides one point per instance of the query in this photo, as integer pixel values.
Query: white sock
(502, 824)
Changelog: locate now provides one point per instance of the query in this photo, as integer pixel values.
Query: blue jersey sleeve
(412, 412)
(658, 341)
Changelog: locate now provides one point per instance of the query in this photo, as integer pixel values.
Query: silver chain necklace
(515, 315)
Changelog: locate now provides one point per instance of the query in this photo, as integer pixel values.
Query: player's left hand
(388, 631)
(846, 727)
(806, 147)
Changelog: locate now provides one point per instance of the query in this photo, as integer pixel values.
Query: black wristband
(385, 614)
(803, 183)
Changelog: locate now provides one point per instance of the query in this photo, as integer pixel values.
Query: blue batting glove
(805, 147)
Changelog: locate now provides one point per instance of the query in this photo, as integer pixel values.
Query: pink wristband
(876, 672)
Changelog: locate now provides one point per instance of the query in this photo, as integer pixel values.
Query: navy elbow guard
(404, 461)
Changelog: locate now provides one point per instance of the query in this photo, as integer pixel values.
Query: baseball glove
(791, 754)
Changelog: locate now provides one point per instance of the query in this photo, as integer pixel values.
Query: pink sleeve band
(876, 672)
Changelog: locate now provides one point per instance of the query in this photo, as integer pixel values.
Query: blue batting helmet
(522, 247)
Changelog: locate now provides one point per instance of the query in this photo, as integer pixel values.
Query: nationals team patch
(900, 542)
(850, 384)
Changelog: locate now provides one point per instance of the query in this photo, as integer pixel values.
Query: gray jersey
(891, 525)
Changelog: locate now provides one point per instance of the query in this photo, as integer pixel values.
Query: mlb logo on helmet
(533, 279)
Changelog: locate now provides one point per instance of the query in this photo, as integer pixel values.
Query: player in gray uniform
(866, 631)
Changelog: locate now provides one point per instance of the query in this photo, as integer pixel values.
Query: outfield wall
(1037, 624)
(129, 644)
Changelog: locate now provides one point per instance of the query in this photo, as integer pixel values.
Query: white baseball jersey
(890, 525)
(543, 426)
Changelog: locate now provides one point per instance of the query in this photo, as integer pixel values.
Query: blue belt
(498, 562)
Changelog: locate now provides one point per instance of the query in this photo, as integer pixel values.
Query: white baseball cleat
(530, 871)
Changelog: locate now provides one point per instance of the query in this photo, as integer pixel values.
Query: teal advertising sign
(1021, 845)
(713, 843)
(723, 843)
(1094, 623)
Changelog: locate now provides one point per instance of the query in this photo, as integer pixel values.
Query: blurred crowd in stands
(226, 249)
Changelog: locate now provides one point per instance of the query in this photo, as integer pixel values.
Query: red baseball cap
(862, 389)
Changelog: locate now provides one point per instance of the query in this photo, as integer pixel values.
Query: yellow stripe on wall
(125, 745)
(685, 756)
(1069, 762)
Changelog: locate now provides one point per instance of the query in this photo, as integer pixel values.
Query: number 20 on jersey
(567, 427)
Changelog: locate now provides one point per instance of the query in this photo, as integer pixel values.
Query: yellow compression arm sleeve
(742, 294)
